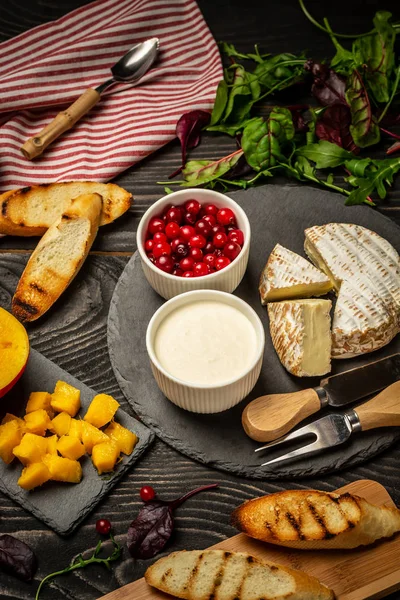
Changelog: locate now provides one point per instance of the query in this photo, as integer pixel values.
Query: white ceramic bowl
(204, 398)
(225, 280)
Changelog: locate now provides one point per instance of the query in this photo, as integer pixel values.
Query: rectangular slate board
(62, 506)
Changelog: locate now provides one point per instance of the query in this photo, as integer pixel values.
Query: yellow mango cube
(52, 444)
(104, 456)
(92, 436)
(38, 422)
(75, 429)
(66, 398)
(125, 439)
(101, 410)
(9, 417)
(31, 449)
(61, 423)
(70, 447)
(34, 475)
(10, 437)
(63, 469)
(39, 400)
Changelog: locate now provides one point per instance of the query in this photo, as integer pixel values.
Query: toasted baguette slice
(57, 258)
(309, 519)
(31, 210)
(221, 575)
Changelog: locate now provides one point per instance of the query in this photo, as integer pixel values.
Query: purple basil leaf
(240, 169)
(188, 130)
(328, 87)
(17, 558)
(334, 126)
(152, 528)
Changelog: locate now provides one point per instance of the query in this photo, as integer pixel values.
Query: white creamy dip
(206, 342)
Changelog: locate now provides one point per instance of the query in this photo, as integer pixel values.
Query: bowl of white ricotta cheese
(206, 349)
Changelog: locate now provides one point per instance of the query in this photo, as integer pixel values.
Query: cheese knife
(269, 417)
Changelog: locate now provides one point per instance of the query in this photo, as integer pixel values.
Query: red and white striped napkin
(47, 68)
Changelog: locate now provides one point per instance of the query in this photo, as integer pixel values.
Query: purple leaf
(153, 527)
(334, 126)
(17, 558)
(328, 87)
(188, 131)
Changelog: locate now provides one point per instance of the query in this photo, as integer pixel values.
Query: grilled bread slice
(312, 519)
(57, 258)
(221, 575)
(31, 210)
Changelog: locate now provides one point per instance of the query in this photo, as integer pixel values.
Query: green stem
(395, 86)
(322, 28)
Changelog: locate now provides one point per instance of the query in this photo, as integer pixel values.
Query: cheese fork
(332, 430)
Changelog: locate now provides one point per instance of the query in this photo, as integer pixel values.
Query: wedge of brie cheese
(301, 335)
(288, 275)
(365, 270)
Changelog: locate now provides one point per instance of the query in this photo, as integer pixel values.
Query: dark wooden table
(74, 333)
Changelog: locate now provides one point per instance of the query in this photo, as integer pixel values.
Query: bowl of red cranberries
(194, 239)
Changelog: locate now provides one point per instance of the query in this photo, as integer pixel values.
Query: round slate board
(276, 214)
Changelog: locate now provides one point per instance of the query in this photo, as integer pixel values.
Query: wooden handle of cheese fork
(381, 411)
(269, 417)
(61, 123)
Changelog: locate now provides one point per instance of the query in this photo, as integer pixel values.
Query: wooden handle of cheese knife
(381, 411)
(269, 417)
(61, 123)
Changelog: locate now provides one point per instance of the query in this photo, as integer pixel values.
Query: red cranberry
(209, 248)
(103, 526)
(148, 245)
(147, 493)
(196, 254)
(218, 229)
(181, 250)
(176, 242)
(150, 256)
(209, 259)
(236, 235)
(155, 225)
(210, 269)
(161, 249)
(174, 214)
(203, 228)
(220, 239)
(197, 241)
(232, 250)
(188, 274)
(187, 263)
(226, 216)
(187, 231)
(218, 252)
(190, 219)
(221, 262)
(210, 209)
(177, 272)
(200, 269)
(192, 206)
(172, 230)
(210, 219)
(165, 263)
(159, 236)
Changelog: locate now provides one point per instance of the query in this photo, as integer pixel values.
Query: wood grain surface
(374, 570)
(73, 333)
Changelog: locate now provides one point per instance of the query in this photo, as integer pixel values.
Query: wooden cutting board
(353, 574)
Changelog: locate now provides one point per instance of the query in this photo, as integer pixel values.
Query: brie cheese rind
(365, 271)
(288, 275)
(301, 335)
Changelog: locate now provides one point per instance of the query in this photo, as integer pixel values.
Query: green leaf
(376, 52)
(262, 140)
(325, 154)
(220, 102)
(357, 166)
(231, 130)
(244, 92)
(377, 178)
(198, 172)
(230, 50)
(344, 61)
(279, 68)
(364, 129)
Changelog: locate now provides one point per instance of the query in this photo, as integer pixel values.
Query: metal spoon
(129, 69)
